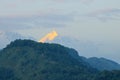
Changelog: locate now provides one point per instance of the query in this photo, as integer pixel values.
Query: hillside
(97, 63)
(30, 60)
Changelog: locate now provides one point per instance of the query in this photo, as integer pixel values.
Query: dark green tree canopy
(30, 60)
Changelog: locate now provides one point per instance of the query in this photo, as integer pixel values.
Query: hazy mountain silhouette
(7, 37)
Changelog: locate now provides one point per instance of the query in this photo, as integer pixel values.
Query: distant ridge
(102, 63)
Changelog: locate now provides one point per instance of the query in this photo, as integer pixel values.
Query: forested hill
(30, 60)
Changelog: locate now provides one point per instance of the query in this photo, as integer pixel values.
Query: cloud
(63, 1)
(7, 37)
(105, 14)
(87, 1)
(12, 5)
(0, 33)
(50, 20)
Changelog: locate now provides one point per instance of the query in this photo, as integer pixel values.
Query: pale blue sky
(96, 21)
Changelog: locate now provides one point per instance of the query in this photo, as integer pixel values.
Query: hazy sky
(95, 21)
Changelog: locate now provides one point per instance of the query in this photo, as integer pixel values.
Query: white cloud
(105, 14)
(42, 20)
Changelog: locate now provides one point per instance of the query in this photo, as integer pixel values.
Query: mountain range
(99, 63)
(30, 60)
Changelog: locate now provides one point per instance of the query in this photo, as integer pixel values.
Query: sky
(94, 24)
